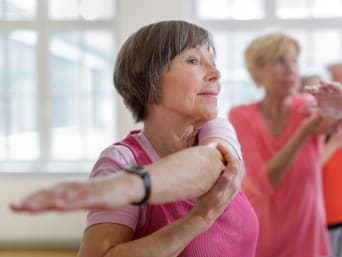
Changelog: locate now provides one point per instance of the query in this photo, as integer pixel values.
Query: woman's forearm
(186, 174)
(168, 241)
(176, 177)
(279, 164)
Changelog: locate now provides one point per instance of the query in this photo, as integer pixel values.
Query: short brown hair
(145, 54)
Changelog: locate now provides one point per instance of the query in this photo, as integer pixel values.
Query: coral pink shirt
(234, 234)
(332, 177)
(291, 217)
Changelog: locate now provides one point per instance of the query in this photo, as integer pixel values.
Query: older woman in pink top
(166, 74)
(280, 142)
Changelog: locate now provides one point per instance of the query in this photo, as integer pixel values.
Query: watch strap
(143, 173)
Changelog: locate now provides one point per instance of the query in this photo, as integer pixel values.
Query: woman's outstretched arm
(174, 177)
(186, 174)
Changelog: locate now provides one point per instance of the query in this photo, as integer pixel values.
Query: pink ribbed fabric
(234, 234)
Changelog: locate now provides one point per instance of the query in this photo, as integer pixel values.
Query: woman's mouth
(208, 93)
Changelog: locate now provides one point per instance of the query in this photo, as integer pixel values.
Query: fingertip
(16, 205)
(219, 144)
(312, 88)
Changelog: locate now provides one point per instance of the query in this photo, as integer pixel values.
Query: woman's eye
(193, 61)
(279, 61)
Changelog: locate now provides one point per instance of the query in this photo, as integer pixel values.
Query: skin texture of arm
(115, 191)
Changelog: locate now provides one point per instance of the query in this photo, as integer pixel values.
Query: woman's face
(190, 85)
(280, 77)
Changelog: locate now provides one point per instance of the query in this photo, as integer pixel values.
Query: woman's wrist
(303, 134)
(143, 174)
(203, 218)
(134, 187)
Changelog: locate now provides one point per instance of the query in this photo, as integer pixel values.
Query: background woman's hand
(329, 97)
(315, 121)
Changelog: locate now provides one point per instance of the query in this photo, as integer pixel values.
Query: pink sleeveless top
(234, 234)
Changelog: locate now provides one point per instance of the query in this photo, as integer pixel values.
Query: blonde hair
(267, 48)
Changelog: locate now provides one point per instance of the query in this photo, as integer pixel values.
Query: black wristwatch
(143, 173)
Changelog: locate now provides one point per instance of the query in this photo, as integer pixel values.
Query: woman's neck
(170, 134)
(274, 108)
(275, 112)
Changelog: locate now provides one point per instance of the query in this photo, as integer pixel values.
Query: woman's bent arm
(116, 240)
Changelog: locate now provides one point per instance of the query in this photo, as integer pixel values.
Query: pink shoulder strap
(132, 144)
(141, 159)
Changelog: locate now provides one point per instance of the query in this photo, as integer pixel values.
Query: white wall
(65, 230)
(40, 230)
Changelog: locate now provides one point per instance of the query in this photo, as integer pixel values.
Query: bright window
(301, 9)
(80, 93)
(18, 9)
(57, 102)
(234, 23)
(85, 9)
(19, 96)
(230, 9)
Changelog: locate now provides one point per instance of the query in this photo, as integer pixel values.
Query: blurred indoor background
(58, 108)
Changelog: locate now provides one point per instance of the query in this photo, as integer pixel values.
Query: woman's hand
(329, 97)
(315, 121)
(233, 162)
(100, 193)
(211, 205)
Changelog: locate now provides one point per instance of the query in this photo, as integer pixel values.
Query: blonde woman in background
(280, 141)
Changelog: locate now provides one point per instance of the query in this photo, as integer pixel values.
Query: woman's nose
(213, 74)
(292, 67)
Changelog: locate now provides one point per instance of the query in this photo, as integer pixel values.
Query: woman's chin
(210, 115)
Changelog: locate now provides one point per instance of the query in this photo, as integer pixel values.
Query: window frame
(45, 28)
